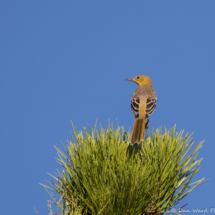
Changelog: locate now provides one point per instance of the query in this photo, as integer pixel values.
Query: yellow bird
(143, 104)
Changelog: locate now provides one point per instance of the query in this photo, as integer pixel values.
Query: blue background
(67, 60)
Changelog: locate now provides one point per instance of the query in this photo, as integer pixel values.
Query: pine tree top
(99, 177)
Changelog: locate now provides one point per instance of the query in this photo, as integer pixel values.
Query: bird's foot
(147, 124)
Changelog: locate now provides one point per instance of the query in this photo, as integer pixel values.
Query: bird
(143, 104)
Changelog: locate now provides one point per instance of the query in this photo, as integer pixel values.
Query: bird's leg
(147, 125)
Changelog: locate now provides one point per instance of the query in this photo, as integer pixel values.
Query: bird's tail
(137, 134)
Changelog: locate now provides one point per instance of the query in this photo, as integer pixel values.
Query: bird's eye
(138, 77)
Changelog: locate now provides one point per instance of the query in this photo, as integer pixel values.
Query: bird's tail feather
(137, 134)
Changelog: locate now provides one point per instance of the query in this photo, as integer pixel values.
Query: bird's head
(140, 80)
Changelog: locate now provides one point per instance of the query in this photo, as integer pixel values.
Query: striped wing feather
(135, 102)
(150, 106)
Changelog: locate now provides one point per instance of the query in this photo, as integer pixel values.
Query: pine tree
(99, 177)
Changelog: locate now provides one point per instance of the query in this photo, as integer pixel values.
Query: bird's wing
(135, 103)
(150, 106)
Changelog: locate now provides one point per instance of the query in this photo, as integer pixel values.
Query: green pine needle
(99, 178)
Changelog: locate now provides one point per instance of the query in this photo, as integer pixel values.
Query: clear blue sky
(67, 60)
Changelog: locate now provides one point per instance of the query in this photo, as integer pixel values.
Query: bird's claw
(147, 124)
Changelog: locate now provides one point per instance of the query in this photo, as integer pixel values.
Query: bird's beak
(130, 79)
